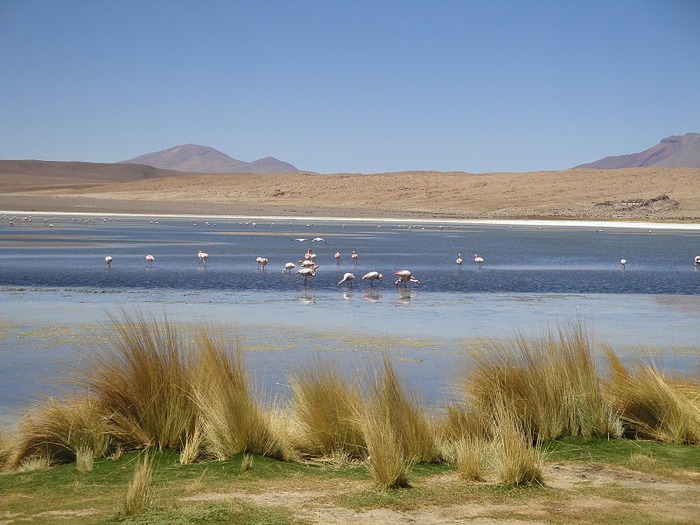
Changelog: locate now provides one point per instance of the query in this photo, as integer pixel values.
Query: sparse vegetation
(376, 432)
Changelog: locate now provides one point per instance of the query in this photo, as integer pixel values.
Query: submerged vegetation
(155, 388)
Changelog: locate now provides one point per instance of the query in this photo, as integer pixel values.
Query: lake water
(56, 291)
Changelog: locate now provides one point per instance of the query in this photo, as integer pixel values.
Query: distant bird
(307, 272)
(149, 259)
(258, 259)
(203, 257)
(337, 256)
(478, 259)
(405, 276)
(263, 263)
(318, 239)
(300, 240)
(307, 263)
(371, 277)
(697, 261)
(108, 260)
(623, 263)
(459, 260)
(354, 256)
(347, 278)
(288, 267)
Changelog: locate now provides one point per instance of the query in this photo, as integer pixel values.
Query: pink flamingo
(307, 255)
(263, 262)
(405, 276)
(347, 278)
(307, 263)
(337, 256)
(288, 267)
(203, 257)
(623, 263)
(478, 259)
(307, 272)
(108, 260)
(371, 277)
(150, 259)
(459, 260)
(354, 256)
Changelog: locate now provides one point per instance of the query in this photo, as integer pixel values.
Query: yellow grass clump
(551, 385)
(141, 379)
(325, 406)
(139, 493)
(7, 449)
(63, 429)
(232, 420)
(654, 405)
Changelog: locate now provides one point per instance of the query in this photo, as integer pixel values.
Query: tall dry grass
(550, 384)
(232, 419)
(62, 429)
(7, 449)
(515, 459)
(139, 493)
(654, 405)
(141, 378)
(325, 406)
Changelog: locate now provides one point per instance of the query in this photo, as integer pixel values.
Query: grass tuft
(325, 407)
(551, 385)
(60, 428)
(232, 420)
(654, 405)
(141, 379)
(139, 493)
(7, 450)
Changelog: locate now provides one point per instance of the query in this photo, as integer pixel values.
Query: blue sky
(361, 86)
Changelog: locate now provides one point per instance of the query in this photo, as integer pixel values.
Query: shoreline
(557, 223)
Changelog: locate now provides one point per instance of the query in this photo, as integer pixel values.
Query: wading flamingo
(150, 259)
(108, 260)
(307, 263)
(371, 277)
(459, 260)
(337, 257)
(288, 267)
(307, 272)
(405, 276)
(263, 262)
(697, 261)
(478, 259)
(354, 256)
(203, 257)
(347, 278)
(623, 263)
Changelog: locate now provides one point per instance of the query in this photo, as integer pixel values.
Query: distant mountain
(681, 151)
(203, 159)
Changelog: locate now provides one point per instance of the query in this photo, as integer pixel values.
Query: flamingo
(307, 263)
(288, 267)
(623, 263)
(347, 278)
(307, 272)
(263, 262)
(318, 239)
(308, 254)
(203, 257)
(697, 261)
(459, 259)
(371, 277)
(354, 256)
(478, 259)
(108, 260)
(337, 257)
(149, 259)
(405, 276)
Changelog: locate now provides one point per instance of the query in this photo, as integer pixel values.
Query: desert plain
(631, 194)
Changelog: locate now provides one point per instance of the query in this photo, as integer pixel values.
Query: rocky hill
(681, 151)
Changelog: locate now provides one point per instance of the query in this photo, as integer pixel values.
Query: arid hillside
(664, 194)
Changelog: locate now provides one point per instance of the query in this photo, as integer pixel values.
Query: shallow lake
(56, 292)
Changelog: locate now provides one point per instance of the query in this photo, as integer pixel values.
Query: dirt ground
(590, 493)
(658, 194)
